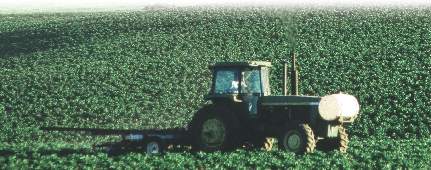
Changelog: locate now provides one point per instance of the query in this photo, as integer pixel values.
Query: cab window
(226, 81)
(250, 82)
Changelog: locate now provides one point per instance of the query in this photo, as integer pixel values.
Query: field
(148, 69)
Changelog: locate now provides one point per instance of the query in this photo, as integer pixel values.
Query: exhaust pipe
(294, 76)
(285, 78)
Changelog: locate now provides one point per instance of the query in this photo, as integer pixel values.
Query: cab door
(251, 89)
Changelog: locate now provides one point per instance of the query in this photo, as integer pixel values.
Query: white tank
(334, 106)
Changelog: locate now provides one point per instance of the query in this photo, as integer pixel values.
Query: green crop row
(136, 69)
(148, 69)
(367, 154)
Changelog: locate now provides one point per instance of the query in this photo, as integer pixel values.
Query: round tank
(334, 106)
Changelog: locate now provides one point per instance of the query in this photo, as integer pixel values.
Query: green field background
(148, 69)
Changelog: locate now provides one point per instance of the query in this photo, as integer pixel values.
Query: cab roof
(243, 64)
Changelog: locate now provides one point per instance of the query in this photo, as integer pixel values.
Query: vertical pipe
(285, 78)
(294, 76)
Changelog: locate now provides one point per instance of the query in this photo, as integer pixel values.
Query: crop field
(147, 69)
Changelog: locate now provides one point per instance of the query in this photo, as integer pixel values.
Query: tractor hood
(331, 107)
(290, 100)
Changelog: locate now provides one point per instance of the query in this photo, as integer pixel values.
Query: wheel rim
(213, 133)
(292, 141)
(153, 147)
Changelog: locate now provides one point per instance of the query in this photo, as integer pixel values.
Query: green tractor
(244, 113)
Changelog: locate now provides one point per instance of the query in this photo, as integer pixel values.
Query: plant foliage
(148, 69)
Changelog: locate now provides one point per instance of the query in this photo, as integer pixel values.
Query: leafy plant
(148, 69)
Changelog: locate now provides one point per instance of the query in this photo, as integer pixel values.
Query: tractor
(244, 113)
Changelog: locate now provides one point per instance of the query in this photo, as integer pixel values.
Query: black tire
(154, 145)
(344, 140)
(266, 143)
(269, 142)
(215, 128)
(339, 143)
(263, 142)
(297, 138)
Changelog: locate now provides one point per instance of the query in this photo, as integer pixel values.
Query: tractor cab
(240, 82)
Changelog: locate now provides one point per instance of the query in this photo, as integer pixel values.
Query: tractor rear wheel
(297, 137)
(339, 143)
(215, 128)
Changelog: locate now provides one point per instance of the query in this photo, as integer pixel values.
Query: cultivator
(149, 141)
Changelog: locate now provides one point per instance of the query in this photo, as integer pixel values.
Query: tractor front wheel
(296, 137)
(263, 142)
(339, 143)
(269, 142)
